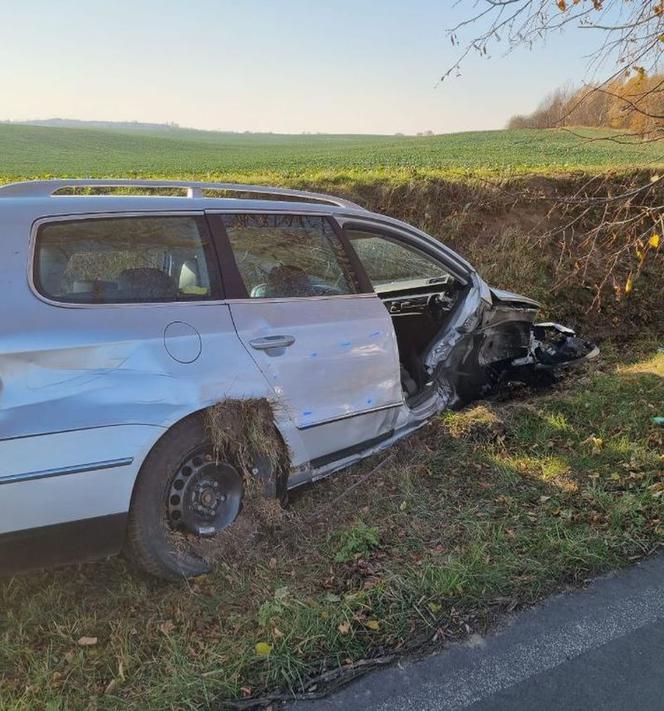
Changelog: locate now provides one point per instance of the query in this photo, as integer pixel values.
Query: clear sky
(333, 66)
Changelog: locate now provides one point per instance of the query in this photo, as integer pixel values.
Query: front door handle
(269, 342)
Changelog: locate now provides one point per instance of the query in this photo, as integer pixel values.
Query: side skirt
(62, 543)
(347, 457)
(350, 451)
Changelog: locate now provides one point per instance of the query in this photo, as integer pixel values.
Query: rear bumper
(64, 497)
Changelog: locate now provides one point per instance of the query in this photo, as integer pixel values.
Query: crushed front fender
(553, 346)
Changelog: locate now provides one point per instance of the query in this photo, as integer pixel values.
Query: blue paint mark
(313, 355)
(306, 413)
(374, 334)
(369, 401)
(345, 344)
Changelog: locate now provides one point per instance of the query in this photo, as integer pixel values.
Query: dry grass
(243, 431)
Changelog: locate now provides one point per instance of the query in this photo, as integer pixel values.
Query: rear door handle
(268, 342)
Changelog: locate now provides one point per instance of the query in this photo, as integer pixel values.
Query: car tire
(150, 542)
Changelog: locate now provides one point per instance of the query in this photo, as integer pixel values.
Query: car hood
(510, 297)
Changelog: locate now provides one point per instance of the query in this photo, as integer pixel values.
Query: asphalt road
(600, 648)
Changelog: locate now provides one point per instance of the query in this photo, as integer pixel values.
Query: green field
(40, 151)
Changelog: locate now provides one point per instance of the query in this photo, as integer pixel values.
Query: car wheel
(182, 494)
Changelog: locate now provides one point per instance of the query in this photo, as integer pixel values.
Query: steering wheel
(325, 290)
(258, 291)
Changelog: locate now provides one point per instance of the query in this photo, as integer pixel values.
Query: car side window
(388, 261)
(282, 256)
(125, 260)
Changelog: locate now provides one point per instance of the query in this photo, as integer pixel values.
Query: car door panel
(328, 350)
(343, 360)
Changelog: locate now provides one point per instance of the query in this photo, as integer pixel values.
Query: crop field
(39, 151)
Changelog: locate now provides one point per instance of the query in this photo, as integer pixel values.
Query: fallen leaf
(654, 241)
(629, 284)
(656, 490)
(87, 642)
(597, 443)
(167, 627)
(372, 625)
(263, 649)
(344, 627)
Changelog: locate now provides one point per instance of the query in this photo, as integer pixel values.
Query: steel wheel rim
(204, 495)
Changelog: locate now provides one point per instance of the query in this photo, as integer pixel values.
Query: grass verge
(480, 513)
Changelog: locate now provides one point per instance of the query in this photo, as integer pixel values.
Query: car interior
(419, 313)
(177, 279)
(114, 261)
(419, 294)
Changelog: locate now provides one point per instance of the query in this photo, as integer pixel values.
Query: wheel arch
(237, 429)
(287, 433)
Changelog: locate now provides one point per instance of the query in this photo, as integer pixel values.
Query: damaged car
(133, 309)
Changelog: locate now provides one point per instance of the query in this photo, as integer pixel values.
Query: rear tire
(151, 533)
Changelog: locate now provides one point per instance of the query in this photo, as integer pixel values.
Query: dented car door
(325, 345)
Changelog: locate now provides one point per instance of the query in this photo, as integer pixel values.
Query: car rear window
(125, 260)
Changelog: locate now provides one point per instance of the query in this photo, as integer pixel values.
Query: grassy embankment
(482, 512)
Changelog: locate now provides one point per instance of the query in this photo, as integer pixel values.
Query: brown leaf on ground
(87, 641)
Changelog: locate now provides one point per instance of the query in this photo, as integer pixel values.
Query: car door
(324, 343)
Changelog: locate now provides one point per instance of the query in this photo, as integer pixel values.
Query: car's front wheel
(182, 496)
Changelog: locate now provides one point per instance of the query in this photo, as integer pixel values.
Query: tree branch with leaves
(622, 91)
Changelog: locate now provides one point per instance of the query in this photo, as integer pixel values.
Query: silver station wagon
(128, 316)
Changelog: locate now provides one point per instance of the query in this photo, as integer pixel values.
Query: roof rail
(49, 188)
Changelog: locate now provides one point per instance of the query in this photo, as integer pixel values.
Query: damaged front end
(499, 344)
(552, 347)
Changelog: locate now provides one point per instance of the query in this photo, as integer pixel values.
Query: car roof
(45, 197)
(40, 199)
